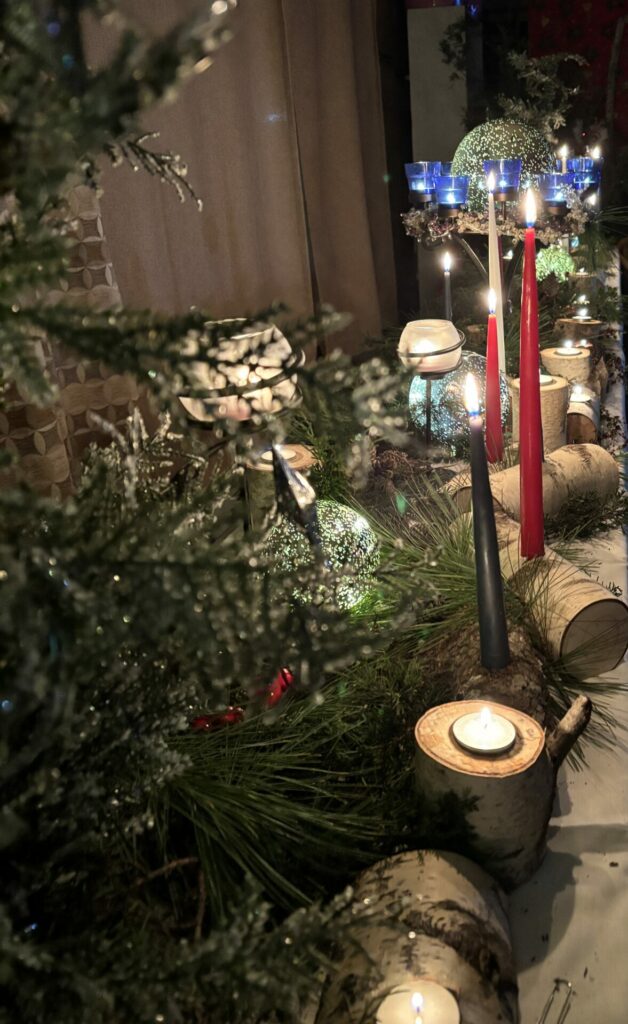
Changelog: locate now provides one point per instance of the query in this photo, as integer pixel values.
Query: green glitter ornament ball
(450, 422)
(554, 260)
(349, 545)
(500, 140)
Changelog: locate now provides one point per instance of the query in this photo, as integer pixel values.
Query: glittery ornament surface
(554, 260)
(349, 546)
(499, 140)
(450, 423)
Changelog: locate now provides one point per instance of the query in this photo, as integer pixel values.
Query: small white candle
(582, 313)
(563, 157)
(566, 349)
(578, 394)
(545, 379)
(484, 732)
(286, 450)
(420, 1001)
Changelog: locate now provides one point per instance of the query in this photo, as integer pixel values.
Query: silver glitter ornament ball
(500, 140)
(349, 545)
(450, 422)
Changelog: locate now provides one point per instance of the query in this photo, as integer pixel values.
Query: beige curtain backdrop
(285, 144)
(284, 141)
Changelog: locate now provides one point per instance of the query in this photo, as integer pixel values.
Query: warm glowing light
(447, 262)
(562, 152)
(418, 1002)
(471, 397)
(509, 255)
(530, 208)
(486, 718)
(592, 199)
(583, 299)
(596, 152)
(492, 300)
(490, 182)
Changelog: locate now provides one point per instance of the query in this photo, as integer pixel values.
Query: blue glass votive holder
(421, 184)
(507, 174)
(451, 193)
(586, 172)
(553, 188)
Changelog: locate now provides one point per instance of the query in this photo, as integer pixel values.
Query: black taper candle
(449, 315)
(494, 648)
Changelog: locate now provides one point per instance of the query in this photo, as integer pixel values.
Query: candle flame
(486, 718)
(490, 182)
(567, 344)
(583, 299)
(592, 199)
(418, 1002)
(492, 300)
(447, 261)
(596, 152)
(471, 397)
(530, 208)
(562, 152)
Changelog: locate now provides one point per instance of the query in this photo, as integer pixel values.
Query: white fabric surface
(571, 919)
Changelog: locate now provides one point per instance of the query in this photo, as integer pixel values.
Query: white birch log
(554, 402)
(573, 471)
(583, 421)
(579, 620)
(578, 329)
(440, 931)
(513, 792)
(575, 367)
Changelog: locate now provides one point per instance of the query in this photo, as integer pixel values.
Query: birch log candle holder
(579, 620)
(259, 479)
(583, 416)
(570, 472)
(568, 361)
(513, 790)
(439, 941)
(579, 328)
(554, 402)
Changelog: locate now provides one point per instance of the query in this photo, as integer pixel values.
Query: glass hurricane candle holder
(430, 347)
(507, 176)
(451, 193)
(553, 188)
(421, 181)
(586, 173)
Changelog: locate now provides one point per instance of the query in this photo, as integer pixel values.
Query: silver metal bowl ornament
(349, 547)
(430, 348)
(256, 356)
(450, 422)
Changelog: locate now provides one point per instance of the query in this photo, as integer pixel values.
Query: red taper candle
(530, 428)
(492, 397)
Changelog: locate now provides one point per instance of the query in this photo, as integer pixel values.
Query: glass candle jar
(421, 181)
(451, 192)
(507, 175)
(553, 188)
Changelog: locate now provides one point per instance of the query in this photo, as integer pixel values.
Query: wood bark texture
(572, 327)
(574, 368)
(577, 618)
(583, 422)
(436, 916)
(554, 402)
(573, 471)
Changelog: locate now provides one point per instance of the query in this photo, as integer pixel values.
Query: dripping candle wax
(447, 273)
(495, 271)
(494, 436)
(494, 649)
(530, 426)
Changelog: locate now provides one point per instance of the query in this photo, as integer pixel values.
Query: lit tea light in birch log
(288, 451)
(484, 733)
(580, 394)
(566, 348)
(545, 379)
(428, 1003)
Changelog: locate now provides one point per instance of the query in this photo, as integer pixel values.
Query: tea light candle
(422, 1001)
(566, 349)
(288, 451)
(484, 733)
(545, 379)
(579, 394)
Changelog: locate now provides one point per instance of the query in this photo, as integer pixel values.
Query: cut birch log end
(578, 328)
(579, 620)
(573, 471)
(259, 480)
(554, 402)
(440, 930)
(583, 421)
(570, 727)
(574, 367)
(513, 792)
